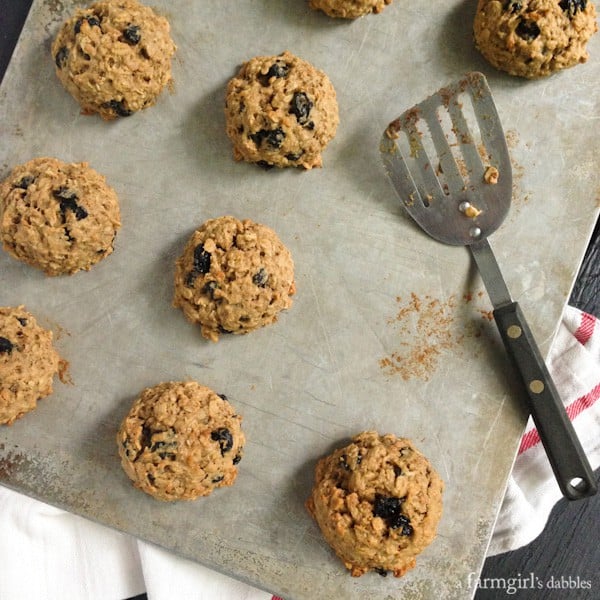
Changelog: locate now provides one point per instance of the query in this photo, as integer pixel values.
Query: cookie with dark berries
(114, 57)
(280, 111)
(59, 217)
(28, 363)
(534, 38)
(233, 277)
(180, 440)
(349, 9)
(377, 502)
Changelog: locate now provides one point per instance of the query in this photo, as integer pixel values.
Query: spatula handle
(567, 458)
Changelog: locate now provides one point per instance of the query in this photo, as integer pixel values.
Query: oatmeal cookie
(56, 216)
(377, 502)
(349, 9)
(233, 277)
(114, 57)
(280, 111)
(180, 440)
(28, 363)
(534, 38)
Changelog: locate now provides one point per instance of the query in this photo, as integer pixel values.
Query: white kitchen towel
(48, 554)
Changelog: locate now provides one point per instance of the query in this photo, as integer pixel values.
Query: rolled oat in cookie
(377, 502)
(534, 38)
(280, 111)
(28, 363)
(233, 277)
(180, 441)
(114, 57)
(349, 9)
(56, 216)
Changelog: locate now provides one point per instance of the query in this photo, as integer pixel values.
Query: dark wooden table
(567, 552)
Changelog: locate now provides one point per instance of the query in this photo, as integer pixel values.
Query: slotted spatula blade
(450, 170)
(448, 161)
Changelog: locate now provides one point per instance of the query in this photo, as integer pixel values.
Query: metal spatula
(448, 160)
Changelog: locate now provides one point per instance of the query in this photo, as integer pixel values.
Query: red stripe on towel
(586, 329)
(532, 437)
(584, 402)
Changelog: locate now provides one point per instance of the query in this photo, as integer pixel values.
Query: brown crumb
(427, 323)
(429, 328)
(491, 175)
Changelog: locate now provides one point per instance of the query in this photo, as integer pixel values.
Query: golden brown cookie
(349, 9)
(114, 57)
(377, 502)
(180, 441)
(534, 38)
(60, 217)
(28, 363)
(233, 277)
(280, 111)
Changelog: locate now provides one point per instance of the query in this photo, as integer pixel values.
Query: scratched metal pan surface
(389, 329)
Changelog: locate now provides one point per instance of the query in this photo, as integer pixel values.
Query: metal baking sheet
(389, 330)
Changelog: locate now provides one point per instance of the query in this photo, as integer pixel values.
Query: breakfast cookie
(28, 363)
(377, 502)
(114, 57)
(233, 277)
(280, 111)
(180, 440)
(349, 9)
(534, 38)
(60, 217)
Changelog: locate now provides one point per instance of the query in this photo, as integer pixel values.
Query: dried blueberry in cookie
(200, 266)
(61, 57)
(223, 436)
(301, 106)
(274, 137)
(527, 30)
(25, 182)
(132, 34)
(513, 6)
(201, 260)
(278, 70)
(117, 108)
(260, 278)
(6, 346)
(91, 20)
(571, 7)
(68, 202)
(389, 509)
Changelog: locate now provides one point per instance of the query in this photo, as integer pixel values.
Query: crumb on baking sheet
(491, 175)
(428, 328)
(472, 211)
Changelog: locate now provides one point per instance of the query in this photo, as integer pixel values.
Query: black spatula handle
(567, 458)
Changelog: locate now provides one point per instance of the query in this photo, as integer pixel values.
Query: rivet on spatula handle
(567, 458)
